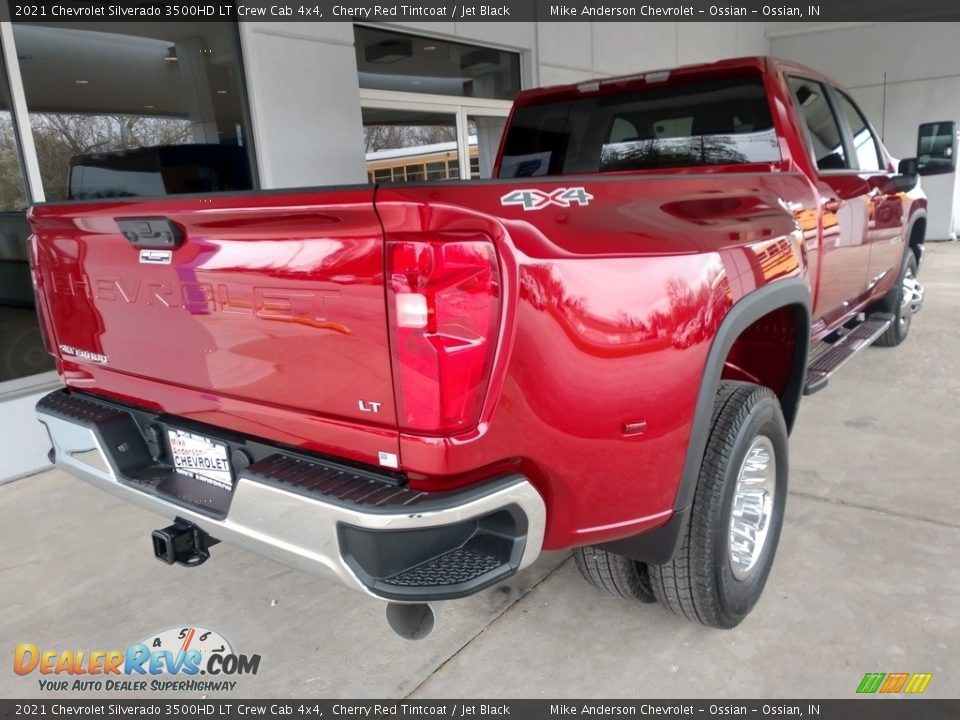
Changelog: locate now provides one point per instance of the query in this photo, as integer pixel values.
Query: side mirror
(907, 166)
(904, 181)
(937, 148)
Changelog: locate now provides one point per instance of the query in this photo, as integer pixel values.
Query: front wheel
(727, 549)
(909, 298)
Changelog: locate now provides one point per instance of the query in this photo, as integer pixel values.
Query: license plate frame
(201, 457)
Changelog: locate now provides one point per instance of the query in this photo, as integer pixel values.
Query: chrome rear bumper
(392, 543)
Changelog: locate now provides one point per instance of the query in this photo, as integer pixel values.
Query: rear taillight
(444, 307)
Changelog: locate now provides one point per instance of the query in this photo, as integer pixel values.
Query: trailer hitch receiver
(182, 543)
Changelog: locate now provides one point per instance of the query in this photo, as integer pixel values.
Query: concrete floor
(867, 577)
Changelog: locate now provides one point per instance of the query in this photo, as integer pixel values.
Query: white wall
(570, 51)
(25, 442)
(901, 74)
(304, 102)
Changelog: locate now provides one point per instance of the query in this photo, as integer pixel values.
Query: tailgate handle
(151, 232)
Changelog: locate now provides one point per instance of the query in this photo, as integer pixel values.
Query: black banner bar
(874, 708)
(492, 10)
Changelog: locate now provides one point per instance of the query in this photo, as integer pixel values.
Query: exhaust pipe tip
(411, 621)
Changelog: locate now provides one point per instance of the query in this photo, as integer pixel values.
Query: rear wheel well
(772, 352)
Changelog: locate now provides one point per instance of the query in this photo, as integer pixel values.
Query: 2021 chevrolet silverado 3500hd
(418, 388)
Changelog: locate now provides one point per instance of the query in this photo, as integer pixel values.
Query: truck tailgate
(271, 299)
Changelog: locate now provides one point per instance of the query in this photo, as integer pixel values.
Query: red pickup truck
(418, 388)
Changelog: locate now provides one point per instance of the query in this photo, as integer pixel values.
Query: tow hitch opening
(182, 543)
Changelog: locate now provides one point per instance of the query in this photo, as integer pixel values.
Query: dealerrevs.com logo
(185, 659)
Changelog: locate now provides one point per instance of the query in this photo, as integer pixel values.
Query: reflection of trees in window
(62, 136)
(12, 192)
(107, 88)
(391, 137)
(691, 151)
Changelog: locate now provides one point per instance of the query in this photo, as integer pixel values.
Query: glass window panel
(622, 130)
(21, 344)
(389, 60)
(111, 102)
(718, 122)
(484, 135)
(822, 127)
(13, 188)
(864, 145)
(436, 171)
(407, 141)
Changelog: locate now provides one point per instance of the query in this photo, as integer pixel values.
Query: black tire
(617, 575)
(699, 583)
(902, 316)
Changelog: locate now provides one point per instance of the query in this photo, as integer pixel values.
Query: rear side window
(822, 127)
(721, 122)
(864, 144)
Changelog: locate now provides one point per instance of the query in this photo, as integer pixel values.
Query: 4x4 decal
(534, 199)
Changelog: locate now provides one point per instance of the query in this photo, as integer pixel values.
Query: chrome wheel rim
(752, 506)
(911, 297)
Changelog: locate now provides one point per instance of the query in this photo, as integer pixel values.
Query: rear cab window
(692, 124)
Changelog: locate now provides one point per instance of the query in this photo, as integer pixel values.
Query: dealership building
(330, 103)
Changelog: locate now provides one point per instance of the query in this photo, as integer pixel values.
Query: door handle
(151, 232)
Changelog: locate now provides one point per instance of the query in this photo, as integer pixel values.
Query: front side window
(716, 122)
(823, 131)
(864, 144)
